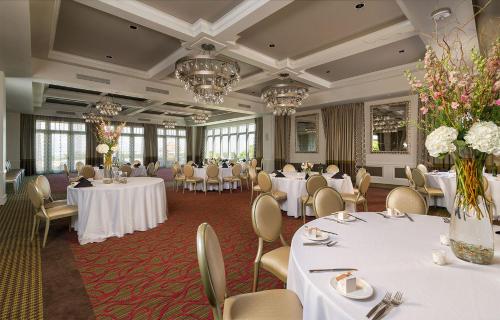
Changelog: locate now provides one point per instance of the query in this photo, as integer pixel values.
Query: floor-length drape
(91, 156)
(344, 133)
(282, 126)
(199, 148)
(27, 154)
(189, 143)
(259, 141)
(150, 143)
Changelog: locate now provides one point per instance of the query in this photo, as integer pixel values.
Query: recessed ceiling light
(327, 71)
(272, 45)
(402, 51)
(109, 57)
(441, 14)
(133, 27)
(359, 5)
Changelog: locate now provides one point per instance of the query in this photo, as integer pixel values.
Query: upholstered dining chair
(190, 162)
(252, 172)
(289, 168)
(235, 178)
(407, 200)
(313, 183)
(409, 176)
(332, 169)
(179, 177)
(422, 168)
(150, 168)
(421, 185)
(359, 175)
(43, 185)
(263, 305)
(360, 197)
(326, 201)
(266, 186)
(266, 222)
(127, 169)
(156, 168)
(213, 177)
(253, 163)
(244, 176)
(66, 171)
(47, 214)
(87, 171)
(79, 166)
(190, 179)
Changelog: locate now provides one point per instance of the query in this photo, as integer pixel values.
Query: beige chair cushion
(180, 177)
(266, 305)
(349, 197)
(279, 195)
(276, 262)
(433, 192)
(213, 180)
(56, 203)
(60, 212)
(257, 188)
(194, 179)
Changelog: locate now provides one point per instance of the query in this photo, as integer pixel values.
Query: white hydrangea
(484, 136)
(440, 141)
(114, 148)
(102, 148)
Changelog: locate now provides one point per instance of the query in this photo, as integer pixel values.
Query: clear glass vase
(108, 168)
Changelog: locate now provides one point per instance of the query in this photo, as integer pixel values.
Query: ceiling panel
(91, 33)
(304, 27)
(257, 89)
(192, 10)
(372, 60)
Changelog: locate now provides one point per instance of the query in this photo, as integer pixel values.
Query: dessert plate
(364, 289)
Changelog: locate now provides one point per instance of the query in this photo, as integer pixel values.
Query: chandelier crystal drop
(169, 123)
(107, 107)
(199, 118)
(284, 98)
(208, 78)
(91, 117)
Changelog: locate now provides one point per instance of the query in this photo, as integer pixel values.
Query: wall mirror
(306, 133)
(389, 127)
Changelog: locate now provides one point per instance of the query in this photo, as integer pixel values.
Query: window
(59, 143)
(171, 146)
(131, 144)
(231, 142)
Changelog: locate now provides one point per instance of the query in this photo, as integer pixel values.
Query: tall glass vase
(471, 232)
(108, 168)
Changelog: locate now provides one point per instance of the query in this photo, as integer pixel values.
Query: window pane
(59, 126)
(232, 147)
(233, 129)
(59, 152)
(126, 130)
(139, 130)
(225, 130)
(217, 147)
(225, 147)
(40, 124)
(182, 150)
(41, 146)
(251, 145)
(242, 145)
(209, 148)
(124, 150)
(139, 148)
(181, 133)
(78, 127)
(243, 128)
(251, 127)
(171, 132)
(210, 132)
(217, 131)
(160, 132)
(160, 152)
(79, 143)
(170, 149)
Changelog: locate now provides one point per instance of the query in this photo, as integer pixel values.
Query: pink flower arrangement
(109, 135)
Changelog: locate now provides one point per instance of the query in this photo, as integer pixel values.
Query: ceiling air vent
(66, 113)
(244, 106)
(145, 120)
(156, 90)
(93, 79)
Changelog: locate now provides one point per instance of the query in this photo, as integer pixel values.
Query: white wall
(320, 156)
(13, 148)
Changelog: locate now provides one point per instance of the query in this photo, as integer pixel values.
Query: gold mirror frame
(406, 105)
(316, 123)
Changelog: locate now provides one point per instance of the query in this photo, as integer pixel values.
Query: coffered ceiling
(256, 90)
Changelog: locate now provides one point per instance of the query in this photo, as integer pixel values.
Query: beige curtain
(189, 143)
(344, 132)
(27, 141)
(282, 126)
(199, 147)
(259, 140)
(150, 143)
(91, 155)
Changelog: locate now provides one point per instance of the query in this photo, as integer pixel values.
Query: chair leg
(183, 187)
(47, 226)
(35, 222)
(304, 212)
(251, 196)
(366, 206)
(241, 186)
(255, 276)
(205, 189)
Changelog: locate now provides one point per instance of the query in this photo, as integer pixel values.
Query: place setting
(314, 236)
(343, 217)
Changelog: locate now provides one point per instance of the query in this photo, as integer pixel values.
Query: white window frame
(226, 131)
(179, 134)
(132, 135)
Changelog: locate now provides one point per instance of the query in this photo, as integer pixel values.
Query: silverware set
(384, 307)
(332, 270)
(446, 220)
(330, 243)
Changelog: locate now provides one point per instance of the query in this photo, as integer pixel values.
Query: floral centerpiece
(108, 137)
(307, 167)
(461, 108)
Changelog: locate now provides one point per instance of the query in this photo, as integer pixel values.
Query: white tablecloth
(393, 254)
(294, 184)
(223, 172)
(447, 183)
(136, 172)
(112, 210)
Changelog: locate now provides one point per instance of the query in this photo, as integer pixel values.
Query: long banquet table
(447, 183)
(393, 254)
(112, 210)
(294, 184)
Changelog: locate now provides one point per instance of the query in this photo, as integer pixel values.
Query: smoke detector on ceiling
(441, 14)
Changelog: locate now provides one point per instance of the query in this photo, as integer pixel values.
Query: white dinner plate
(348, 219)
(364, 289)
(321, 237)
(394, 214)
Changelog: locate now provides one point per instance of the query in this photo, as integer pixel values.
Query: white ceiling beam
(313, 80)
(253, 80)
(167, 65)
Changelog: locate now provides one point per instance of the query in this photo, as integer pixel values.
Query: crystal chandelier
(107, 107)
(386, 124)
(208, 78)
(285, 97)
(199, 118)
(91, 117)
(169, 123)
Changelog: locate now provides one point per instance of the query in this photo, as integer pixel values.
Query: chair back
(79, 166)
(333, 169)
(35, 196)
(66, 171)
(157, 167)
(315, 182)
(266, 217)
(126, 168)
(43, 186)
(365, 184)
(409, 175)
(253, 163)
(418, 178)
(150, 169)
(289, 168)
(188, 170)
(87, 172)
(8, 165)
(236, 171)
(422, 168)
(212, 270)
(359, 175)
(406, 200)
(176, 168)
(212, 171)
(326, 201)
(253, 174)
(265, 183)
(190, 162)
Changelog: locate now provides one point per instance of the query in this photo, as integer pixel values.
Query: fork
(395, 301)
(381, 214)
(384, 301)
(317, 243)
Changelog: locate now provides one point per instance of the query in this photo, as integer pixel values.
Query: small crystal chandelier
(169, 123)
(199, 118)
(284, 98)
(208, 78)
(107, 107)
(91, 117)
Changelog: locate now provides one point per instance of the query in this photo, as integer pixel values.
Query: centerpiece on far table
(108, 137)
(461, 108)
(307, 168)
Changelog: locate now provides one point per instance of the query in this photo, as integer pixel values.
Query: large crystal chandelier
(386, 124)
(285, 97)
(199, 118)
(91, 117)
(169, 123)
(107, 107)
(208, 78)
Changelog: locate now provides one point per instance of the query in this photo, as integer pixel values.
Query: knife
(357, 218)
(332, 270)
(331, 219)
(408, 216)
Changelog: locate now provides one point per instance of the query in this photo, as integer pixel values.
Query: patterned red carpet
(154, 274)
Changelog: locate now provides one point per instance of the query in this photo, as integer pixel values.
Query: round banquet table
(393, 254)
(447, 183)
(223, 172)
(112, 210)
(294, 184)
(136, 172)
